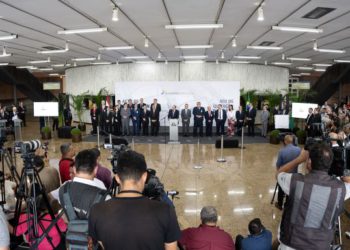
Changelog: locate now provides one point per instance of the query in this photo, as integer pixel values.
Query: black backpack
(77, 231)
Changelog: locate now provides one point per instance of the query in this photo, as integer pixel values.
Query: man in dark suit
(67, 115)
(209, 118)
(145, 114)
(186, 118)
(22, 110)
(155, 111)
(94, 114)
(173, 113)
(251, 120)
(198, 115)
(240, 116)
(108, 117)
(220, 118)
(135, 118)
(308, 122)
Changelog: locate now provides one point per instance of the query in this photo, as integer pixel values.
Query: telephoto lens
(30, 146)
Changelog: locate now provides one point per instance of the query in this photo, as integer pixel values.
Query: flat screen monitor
(301, 110)
(45, 109)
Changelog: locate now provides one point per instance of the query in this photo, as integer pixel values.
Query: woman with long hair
(231, 121)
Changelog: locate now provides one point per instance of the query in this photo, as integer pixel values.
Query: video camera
(27, 147)
(116, 152)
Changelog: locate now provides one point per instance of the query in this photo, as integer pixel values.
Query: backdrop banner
(209, 93)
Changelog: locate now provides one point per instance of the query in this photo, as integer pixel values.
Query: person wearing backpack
(78, 196)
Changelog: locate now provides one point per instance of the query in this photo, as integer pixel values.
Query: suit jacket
(309, 119)
(252, 114)
(155, 113)
(107, 117)
(265, 116)
(135, 114)
(224, 115)
(240, 116)
(125, 113)
(94, 115)
(186, 116)
(139, 106)
(173, 114)
(209, 116)
(198, 112)
(145, 116)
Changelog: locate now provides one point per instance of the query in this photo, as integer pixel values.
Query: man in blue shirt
(259, 238)
(288, 153)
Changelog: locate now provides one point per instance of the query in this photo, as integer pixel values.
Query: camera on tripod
(27, 147)
(116, 152)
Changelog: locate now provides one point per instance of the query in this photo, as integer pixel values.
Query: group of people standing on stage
(116, 120)
(13, 112)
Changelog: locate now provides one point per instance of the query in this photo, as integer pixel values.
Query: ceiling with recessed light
(147, 30)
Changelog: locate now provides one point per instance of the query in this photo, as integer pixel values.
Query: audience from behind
(4, 232)
(130, 220)
(208, 235)
(288, 153)
(259, 238)
(82, 189)
(67, 152)
(103, 173)
(315, 201)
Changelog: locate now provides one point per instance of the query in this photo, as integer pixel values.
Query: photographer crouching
(315, 200)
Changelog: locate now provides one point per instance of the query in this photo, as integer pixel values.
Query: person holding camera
(315, 200)
(131, 220)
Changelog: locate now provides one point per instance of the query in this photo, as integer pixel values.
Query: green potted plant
(46, 133)
(275, 136)
(301, 135)
(78, 106)
(76, 135)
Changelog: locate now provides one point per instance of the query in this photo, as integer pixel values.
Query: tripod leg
(274, 194)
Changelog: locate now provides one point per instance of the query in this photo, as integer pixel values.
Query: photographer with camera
(315, 200)
(131, 220)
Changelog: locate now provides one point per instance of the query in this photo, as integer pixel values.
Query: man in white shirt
(315, 201)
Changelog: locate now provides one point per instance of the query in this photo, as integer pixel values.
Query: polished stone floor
(240, 188)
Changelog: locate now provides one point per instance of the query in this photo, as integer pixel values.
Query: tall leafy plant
(101, 94)
(78, 104)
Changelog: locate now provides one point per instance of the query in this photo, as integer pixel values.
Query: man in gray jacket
(125, 114)
(265, 114)
(186, 118)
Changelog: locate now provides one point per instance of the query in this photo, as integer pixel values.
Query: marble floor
(240, 188)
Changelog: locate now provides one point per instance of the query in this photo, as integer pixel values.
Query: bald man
(288, 153)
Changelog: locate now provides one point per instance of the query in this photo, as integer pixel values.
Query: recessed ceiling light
(9, 37)
(194, 57)
(305, 68)
(298, 59)
(320, 70)
(57, 65)
(4, 53)
(81, 31)
(40, 61)
(322, 64)
(135, 57)
(238, 62)
(248, 57)
(265, 47)
(234, 42)
(341, 61)
(305, 74)
(54, 74)
(45, 69)
(4, 64)
(194, 46)
(222, 55)
(297, 29)
(146, 42)
(83, 59)
(195, 26)
(338, 51)
(26, 67)
(282, 63)
(117, 48)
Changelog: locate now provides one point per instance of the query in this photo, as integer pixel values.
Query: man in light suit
(220, 118)
(186, 118)
(209, 119)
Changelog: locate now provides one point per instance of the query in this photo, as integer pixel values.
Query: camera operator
(131, 220)
(315, 201)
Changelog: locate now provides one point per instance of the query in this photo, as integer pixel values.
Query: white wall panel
(93, 78)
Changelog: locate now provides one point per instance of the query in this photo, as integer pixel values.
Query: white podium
(282, 121)
(173, 130)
